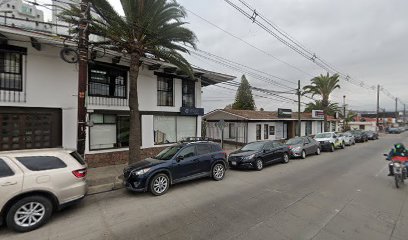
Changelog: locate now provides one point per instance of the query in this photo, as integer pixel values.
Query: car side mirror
(265, 151)
(179, 158)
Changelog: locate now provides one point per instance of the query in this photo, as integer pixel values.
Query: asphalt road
(340, 195)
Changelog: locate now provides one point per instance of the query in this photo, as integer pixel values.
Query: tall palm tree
(154, 27)
(323, 86)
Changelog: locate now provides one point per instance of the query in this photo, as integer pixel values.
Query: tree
(346, 120)
(244, 99)
(148, 27)
(332, 108)
(323, 86)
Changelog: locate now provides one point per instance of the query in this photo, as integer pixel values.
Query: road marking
(382, 170)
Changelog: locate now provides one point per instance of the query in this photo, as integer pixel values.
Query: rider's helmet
(399, 147)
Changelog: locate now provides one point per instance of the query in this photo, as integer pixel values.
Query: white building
(38, 100)
(23, 15)
(245, 126)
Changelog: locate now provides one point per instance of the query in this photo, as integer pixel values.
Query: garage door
(30, 128)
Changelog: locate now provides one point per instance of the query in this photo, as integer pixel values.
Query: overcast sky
(366, 39)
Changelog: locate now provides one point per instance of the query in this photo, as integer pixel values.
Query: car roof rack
(196, 140)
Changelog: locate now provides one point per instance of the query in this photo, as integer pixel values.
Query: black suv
(257, 154)
(175, 164)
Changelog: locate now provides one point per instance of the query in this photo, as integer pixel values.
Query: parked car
(175, 164)
(35, 183)
(371, 135)
(256, 155)
(303, 146)
(393, 130)
(359, 136)
(349, 138)
(329, 141)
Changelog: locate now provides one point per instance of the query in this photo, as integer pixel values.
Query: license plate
(234, 163)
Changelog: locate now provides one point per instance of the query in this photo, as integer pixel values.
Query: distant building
(243, 126)
(23, 15)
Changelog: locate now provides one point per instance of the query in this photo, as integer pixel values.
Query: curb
(107, 187)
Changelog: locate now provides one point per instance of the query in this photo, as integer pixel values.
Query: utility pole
(405, 121)
(344, 113)
(299, 121)
(378, 107)
(396, 110)
(82, 75)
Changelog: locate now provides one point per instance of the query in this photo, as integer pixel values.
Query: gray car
(303, 146)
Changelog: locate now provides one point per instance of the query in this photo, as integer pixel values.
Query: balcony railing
(12, 96)
(107, 101)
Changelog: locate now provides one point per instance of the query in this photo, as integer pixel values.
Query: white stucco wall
(50, 83)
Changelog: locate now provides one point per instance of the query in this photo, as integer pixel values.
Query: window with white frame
(108, 131)
(11, 70)
(165, 91)
(170, 129)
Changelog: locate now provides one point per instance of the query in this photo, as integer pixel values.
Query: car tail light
(290, 147)
(80, 173)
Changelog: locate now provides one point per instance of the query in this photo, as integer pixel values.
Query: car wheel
(285, 158)
(218, 172)
(303, 154)
(318, 151)
(160, 184)
(332, 148)
(258, 165)
(29, 213)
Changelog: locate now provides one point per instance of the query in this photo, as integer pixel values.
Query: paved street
(341, 195)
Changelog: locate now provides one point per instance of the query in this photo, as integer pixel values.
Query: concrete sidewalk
(104, 179)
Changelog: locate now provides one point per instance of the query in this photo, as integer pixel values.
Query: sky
(366, 39)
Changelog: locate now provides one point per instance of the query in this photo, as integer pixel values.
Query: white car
(35, 183)
(349, 139)
(330, 141)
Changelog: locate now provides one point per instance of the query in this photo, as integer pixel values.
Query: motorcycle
(400, 169)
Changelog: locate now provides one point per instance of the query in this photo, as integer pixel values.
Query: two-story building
(38, 98)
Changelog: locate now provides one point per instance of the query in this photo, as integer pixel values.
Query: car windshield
(254, 146)
(294, 141)
(323, 135)
(168, 153)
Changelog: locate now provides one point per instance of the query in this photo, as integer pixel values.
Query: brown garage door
(29, 128)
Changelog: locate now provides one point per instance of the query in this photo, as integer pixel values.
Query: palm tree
(323, 86)
(153, 27)
(349, 118)
(332, 108)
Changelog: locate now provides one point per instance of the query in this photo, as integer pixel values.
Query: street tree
(147, 28)
(244, 99)
(323, 86)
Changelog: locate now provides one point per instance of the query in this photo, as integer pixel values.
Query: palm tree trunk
(325, 103)
(135, 126)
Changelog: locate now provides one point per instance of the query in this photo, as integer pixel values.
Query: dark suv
(175, 164)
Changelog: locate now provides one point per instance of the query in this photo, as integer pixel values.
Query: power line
(249, 44)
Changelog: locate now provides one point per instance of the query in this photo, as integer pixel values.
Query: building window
(164, 91)
(106, 81)
(271, 130)
(11, 68)
(171, 129)
(109, 131)
(232, 130)
(258, 131)
(188, 93)
(266, 133)
(308, 128)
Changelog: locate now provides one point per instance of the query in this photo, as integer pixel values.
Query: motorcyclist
(398, 150)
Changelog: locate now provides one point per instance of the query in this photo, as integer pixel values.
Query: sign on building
(284, 113)
(318, 114)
